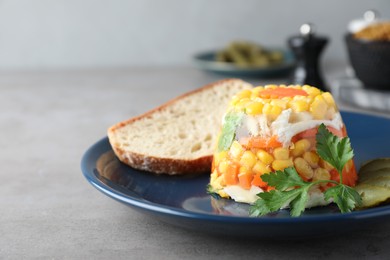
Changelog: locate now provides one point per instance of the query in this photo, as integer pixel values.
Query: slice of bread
(179, 136)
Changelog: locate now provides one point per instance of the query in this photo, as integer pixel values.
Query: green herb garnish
(291, 190)
(228, 132)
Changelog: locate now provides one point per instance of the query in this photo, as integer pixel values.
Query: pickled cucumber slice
(374, 182)
(372, 195)
(367, 175)
(381, 181)
(375, 165)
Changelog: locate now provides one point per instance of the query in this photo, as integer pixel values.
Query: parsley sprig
(291, 190)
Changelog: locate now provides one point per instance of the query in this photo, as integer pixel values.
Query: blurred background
(78, 34)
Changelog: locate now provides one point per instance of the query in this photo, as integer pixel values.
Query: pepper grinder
(307, 48)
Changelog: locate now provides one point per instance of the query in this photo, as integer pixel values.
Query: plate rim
(153, 207)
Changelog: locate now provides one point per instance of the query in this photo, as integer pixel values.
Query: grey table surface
(48, 209)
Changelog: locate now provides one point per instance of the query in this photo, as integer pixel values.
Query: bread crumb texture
(184, 128)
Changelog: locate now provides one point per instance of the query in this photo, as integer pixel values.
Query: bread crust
(161, 165)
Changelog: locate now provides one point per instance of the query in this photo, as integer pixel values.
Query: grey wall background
(46, 34)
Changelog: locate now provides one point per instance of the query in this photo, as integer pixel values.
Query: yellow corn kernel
(279, 165)
(218, 157)
(223, 166)
(330, 113)
(270, 86)
(254, 108)
(236, 150)
(213, 178)
(276, 111)
(246, 93)
(300, 147)
(321, 174)
(295, 86)
(280, 103)
(265, 157)
(299, 106)
(261, 168)
(303, 168)
(312, 158)
(312, 91)
(218, 182)
(267, 108)
(256, 91)
(242, 170)
(329, 99)
(272, 111)
(281, 153)
(318, 108)
(248, 159)
(234, 101)
(326, 165)
(242, 103)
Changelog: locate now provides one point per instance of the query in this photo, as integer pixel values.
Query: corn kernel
(261, 168)
(246, 93)
(279, 102)
(265, 157)
(318, 108)
(223, 166)
(326, 165)
(242, 103)
(272, 111)
(329, 99)
(330, 113)
(267, 108)
(242, 170)
(218, 157)
(296, 86)
(279, 165)
(321, 174)
(281, 153)
(248, 159)
(303, 168)
(312, 158)
(254, 108)
(213, 178)
(270, 86)
(299, 106)
(234, 101)
(236, 150)
(312, 91)
(300, 147)
(256, 91)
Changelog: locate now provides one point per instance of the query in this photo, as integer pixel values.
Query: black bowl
(371, 61)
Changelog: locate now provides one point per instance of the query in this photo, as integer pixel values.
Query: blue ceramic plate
(206, 61)
(183, 201)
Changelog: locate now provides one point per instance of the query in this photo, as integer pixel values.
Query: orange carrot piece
(349, 175)
(230, 176)
(245, 180)
(261, 143)
(257, 181)
(313, 131)
(282, 92)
